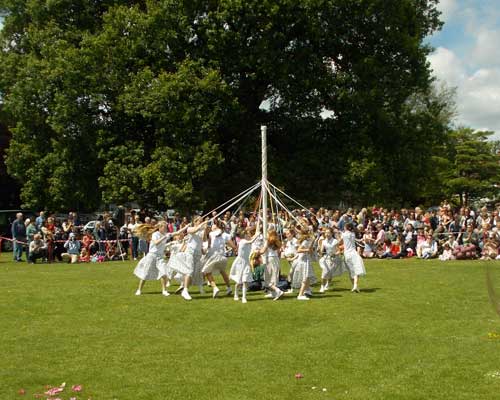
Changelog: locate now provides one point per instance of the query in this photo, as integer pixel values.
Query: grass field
(418, 330)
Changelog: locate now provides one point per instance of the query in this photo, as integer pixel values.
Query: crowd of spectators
(443, 232)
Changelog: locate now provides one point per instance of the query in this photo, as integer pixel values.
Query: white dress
(215, 260)
(353, 260)
(174, 248)
(272, 271)
(189, 261)
(153, 265)
(331, 263)
(303, 267)
(240, 269)
(290, 253)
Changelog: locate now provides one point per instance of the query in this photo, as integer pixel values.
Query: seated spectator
(386, 251)
(37, 249)
(391, 234)
(72, 247)
(421, 238)
(447, 253)
(490, 249)
(429, 249)
(88, 241)
(369, 243)
(84, 255)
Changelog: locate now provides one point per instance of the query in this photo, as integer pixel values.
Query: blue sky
(467, 57)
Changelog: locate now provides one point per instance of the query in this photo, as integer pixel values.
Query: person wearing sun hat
(72, 247)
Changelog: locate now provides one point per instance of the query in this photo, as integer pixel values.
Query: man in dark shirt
(19, 235)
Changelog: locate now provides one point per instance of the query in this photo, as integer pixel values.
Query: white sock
(244, 291)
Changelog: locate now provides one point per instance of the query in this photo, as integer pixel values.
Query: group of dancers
(192, 265)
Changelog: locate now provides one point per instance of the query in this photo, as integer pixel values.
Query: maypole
(263, 130)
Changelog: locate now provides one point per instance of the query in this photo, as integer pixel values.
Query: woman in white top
(353, 260)
(153, 265)
(215, 260)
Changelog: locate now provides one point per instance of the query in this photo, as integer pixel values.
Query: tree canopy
(160, 102)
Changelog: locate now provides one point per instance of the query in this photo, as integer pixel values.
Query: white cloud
(478, 93)
(468, 58)
(448, 8)
(486, 51)
(447, 66)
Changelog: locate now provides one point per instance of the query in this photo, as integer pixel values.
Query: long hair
(146, 230)
(273, 240)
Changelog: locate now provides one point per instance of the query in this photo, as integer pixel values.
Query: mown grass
(418, 330)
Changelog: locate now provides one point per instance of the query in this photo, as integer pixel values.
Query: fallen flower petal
(76, 388)
(21, 392)
(53, 391)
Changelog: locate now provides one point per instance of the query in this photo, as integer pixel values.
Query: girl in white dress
(188, 263)
(272, 271)
(353, 260)
(153, 265)
(174, 247)
(241, 272)
(331, 264)
(303, 276)
(290, 252)
(215, 260)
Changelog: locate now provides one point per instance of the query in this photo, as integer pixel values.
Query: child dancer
(188, 263)
(271, 275)
(240, 269)
(353, 260)
(331, 264)
(290, 252)
(303, 276)
(215, 260)
(153, 265)
(174, 247)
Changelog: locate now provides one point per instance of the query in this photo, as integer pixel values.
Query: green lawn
(418, 330)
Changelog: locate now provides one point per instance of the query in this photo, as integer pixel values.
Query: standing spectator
(30, 229)
(19, 236)
(132, 226)
(48, 230)
(143, 239)
(40, 220)
(100, 237)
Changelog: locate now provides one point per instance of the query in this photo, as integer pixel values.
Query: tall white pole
(263, 130)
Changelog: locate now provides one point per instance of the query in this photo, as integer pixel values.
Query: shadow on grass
(362, 290)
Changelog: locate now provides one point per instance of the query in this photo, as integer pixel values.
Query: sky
(466, 56)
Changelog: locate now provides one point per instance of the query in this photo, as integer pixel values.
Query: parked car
(7, 217)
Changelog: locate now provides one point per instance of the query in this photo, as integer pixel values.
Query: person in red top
(87, 240)
(48, 230)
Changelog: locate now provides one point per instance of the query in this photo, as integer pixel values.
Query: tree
(474, 165)
(160, 101)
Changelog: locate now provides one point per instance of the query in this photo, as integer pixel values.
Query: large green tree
(473, 165)
(161, 101)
